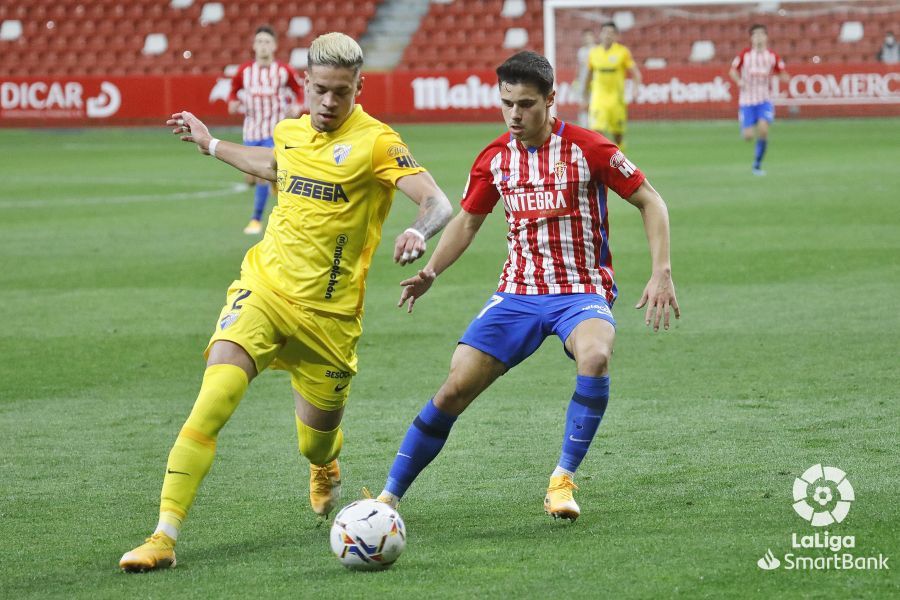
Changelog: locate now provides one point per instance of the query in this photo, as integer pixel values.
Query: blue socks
(583, 418)
(760, 152)
(424, 440)
(260, 195)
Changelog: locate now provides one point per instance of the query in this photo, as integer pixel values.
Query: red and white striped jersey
(756, 68)
(555, 201)
(263, 90)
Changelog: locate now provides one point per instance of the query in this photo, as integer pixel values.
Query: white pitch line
(62, 202)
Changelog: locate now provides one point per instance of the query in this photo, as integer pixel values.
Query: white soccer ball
(368, 535)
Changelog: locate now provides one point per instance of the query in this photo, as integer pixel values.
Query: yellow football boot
(254, 227)
(559, 503)
(158, 552)
(324, 487)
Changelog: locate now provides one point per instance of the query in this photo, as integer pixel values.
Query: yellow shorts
(609, 117)
(318, 349)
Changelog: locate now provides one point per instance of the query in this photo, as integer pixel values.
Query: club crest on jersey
(625, 166)
(281, 179)
(229, 319)
(560, 170)
(341, 152)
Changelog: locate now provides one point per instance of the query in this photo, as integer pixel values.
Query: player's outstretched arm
(459, 234)
(659, 293)
(434, 213)
(636, 78)
(259, 162)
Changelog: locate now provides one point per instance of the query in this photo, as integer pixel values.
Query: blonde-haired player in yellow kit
(298, 303)
(604, 84)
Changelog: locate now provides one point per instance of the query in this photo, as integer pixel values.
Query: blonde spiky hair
(335, 50)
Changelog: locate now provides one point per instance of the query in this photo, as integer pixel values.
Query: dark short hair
(527, 67)
(265, 29)
(756, 26)
(609, 24)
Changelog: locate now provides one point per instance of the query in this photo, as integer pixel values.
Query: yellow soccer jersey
(609, 68)
(334, 192)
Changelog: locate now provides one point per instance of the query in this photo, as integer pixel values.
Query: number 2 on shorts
(495, 300)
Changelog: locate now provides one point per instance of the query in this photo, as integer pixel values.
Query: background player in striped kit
(752, 71)
(552, 178)
(261, 87)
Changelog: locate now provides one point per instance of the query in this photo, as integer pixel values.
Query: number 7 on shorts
(495, 300)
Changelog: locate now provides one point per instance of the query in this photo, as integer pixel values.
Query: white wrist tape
(212, 147)
(416, 232)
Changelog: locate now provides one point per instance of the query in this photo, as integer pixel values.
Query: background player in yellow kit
(298, 303)
(604, 84)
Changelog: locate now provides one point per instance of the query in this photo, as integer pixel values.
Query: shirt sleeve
(628, 60)
(237, 83)
(779, 64)
(391, 159)
(480, 194)
(293, 82)
(610, 166)
(738, 61)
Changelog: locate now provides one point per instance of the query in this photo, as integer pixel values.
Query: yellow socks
(192, 455)
(320, 447)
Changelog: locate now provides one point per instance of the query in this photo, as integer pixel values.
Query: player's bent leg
(320, 439)
(191, 457)
(471, 372)
(591, 343)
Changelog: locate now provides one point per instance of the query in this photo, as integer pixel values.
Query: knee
(454, 396)
(748, 135)
(593, 360)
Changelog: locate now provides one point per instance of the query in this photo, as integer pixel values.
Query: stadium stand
(154, 37)
(480, 34)
(826, 32)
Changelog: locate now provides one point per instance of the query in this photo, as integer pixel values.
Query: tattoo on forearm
(433, 215)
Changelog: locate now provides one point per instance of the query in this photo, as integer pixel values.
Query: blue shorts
(263, 143)
(511, 327)
(750, 115)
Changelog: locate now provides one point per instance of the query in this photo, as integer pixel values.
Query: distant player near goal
(752, 71)
(260, 86)
(609, 63)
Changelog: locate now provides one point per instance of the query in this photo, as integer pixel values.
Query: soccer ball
(368, 535)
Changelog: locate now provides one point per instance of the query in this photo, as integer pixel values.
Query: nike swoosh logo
(404, 455)
(286, 147)
(572, 438)
(339, 387)
(176, 472)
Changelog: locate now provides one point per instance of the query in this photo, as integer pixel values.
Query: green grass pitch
(117, 248)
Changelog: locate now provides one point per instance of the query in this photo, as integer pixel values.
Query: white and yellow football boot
(157, 552)
(254, 227)
(324, 487)
(559, 503)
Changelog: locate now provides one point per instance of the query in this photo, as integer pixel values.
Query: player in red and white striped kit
(752, 71)
(262, 87)
(552, 178)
